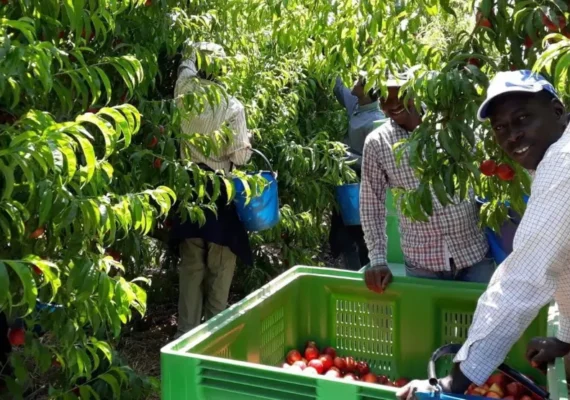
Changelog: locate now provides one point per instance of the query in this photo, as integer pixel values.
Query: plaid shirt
(451, 232)
(535, 273)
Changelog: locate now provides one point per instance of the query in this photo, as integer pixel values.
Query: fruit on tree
(148, 3)
(483, 21)
(370, 378)
(153, 142)
(293, 356)
(327, 361)
(311, 353)
(474, 61)
(505, 172)
(551, 26)
(340, 363)
(17, 337)
(488, 167)
(317, 365)
(37, 233)
(528, 42)
(310, 371)
(157, 163)
(37, 270)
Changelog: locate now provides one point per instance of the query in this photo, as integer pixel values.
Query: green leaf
(28, 284)
(4, 285)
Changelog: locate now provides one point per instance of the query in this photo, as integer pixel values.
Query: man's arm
(240, 149)
(528, 279)
(343, 95)
(373, 214)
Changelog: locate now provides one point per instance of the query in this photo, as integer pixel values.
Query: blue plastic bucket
(262, 212)
(502, 245)
(348, 197)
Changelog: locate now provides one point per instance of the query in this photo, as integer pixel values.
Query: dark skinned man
(530, 124)
(450, 246)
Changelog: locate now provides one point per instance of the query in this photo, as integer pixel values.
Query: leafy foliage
(90, 137)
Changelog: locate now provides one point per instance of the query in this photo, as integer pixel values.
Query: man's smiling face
(526, 125)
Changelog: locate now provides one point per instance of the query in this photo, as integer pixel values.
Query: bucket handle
(266, 161)
(511, 373)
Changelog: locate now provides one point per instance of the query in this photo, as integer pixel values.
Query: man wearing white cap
(450, 246)
(208, 252)
(530, 124)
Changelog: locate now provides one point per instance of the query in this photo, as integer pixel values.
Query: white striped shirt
(534, 274)
(210, 121)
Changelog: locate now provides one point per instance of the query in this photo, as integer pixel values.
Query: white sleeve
(536, 271)
(240, 148)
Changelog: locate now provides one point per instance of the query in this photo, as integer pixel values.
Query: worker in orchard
(363, 115)
(208, 253)
(450, 246)
(531, 125)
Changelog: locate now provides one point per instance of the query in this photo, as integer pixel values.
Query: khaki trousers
(206, 273)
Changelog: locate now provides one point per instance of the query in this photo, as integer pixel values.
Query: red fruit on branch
(61, 34)
(483, 21)
(551, 26)
(474, 61)
(37, 270)
(488, 167)
(17, 337)
(157, 163)
(37, 233)
(148, 3)
(505, 172)
(528, 42)
(153, 142)
(93, 110)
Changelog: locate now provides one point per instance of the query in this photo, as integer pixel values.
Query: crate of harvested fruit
(318, 333)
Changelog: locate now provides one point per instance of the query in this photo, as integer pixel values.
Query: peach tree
(89, 131)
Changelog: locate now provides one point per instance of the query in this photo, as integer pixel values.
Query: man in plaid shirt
(531, 126)
(449, 246)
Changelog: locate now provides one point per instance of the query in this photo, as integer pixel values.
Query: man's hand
(378, 278)
(408, 392)
(542, 351)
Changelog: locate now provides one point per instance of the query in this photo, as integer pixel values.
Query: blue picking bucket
(501, 245)
(262, 212)
(348, 197)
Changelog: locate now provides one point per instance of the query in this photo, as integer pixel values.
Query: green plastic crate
(237, 355)
(394, 251)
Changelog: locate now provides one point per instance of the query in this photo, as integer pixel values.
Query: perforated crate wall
(365, 330)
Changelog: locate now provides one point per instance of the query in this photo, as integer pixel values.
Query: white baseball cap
(514, 81)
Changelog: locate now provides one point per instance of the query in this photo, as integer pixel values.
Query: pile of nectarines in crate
(500, 386)
(313, 361)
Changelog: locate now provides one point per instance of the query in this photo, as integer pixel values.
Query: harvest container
(237, 355)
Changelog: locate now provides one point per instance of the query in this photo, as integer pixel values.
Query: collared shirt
(451, 232)
(535, 273)
(229, 110)
(361, 119)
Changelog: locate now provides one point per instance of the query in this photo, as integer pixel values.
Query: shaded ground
(141, 346)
